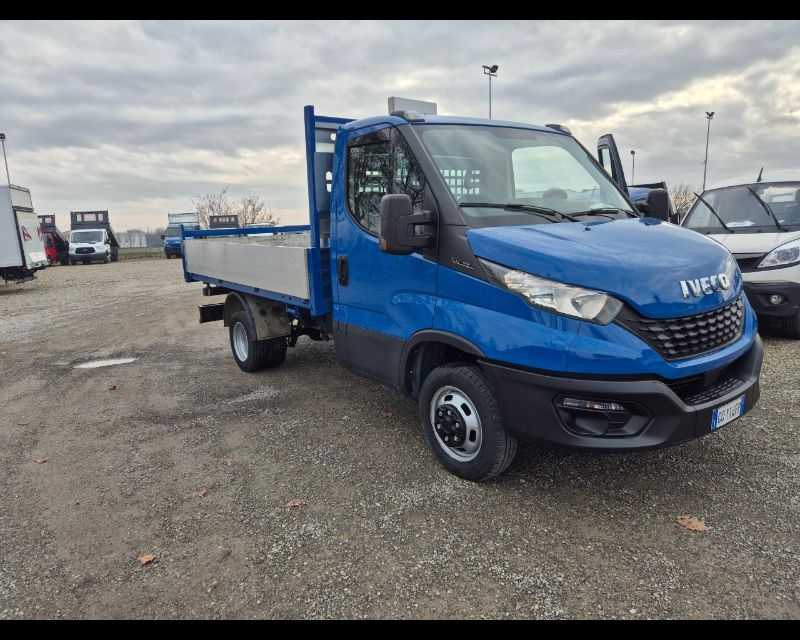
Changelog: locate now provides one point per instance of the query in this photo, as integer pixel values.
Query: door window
(370, 164)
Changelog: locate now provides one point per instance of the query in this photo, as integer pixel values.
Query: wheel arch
(269, 317)
(428, 349)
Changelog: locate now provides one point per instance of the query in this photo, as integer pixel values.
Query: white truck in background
(91, 238)
(21, 246)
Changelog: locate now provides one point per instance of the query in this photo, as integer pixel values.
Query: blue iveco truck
(494, 272)
(172, 234)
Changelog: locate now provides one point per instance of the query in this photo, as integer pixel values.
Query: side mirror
(399, 226)
(656, 205)
(163, 236)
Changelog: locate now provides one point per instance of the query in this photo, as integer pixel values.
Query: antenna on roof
(759, 175)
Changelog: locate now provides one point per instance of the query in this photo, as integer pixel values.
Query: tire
(72, 263)
(167, 256)
(251, 354)
(107, 259)
(114, 255)
(791, 327)
(454, 387)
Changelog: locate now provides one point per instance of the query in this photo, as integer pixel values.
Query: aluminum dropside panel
(268, 268)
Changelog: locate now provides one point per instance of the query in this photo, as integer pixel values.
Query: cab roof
(455, 120)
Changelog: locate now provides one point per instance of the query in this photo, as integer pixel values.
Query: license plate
(727, 413)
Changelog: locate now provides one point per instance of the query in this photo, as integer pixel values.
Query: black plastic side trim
(371, 354)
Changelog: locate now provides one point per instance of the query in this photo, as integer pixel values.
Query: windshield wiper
(716, 215)
(532, 208)
(603, 211)
(767, 208)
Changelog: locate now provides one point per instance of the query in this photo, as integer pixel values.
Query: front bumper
(661, 413)
(758, 293)
(172, 251)
(90, 257)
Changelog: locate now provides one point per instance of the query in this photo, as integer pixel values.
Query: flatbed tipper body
(497, 274)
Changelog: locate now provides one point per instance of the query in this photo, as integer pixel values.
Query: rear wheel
(462, 422)
(251, 354)
(791, 326)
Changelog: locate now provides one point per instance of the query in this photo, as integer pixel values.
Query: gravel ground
(191, 460)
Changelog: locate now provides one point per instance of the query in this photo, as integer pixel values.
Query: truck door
(380, 299)
(608, 157)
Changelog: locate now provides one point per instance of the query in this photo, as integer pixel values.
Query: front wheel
(462, 422)
(251, 354)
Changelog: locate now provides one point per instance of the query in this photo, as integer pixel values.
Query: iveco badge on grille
(705, 286)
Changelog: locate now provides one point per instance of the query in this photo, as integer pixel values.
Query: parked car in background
(758, 221)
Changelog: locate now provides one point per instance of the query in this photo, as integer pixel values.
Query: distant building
(133, 238)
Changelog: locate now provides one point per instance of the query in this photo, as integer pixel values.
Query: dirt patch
(194, 462)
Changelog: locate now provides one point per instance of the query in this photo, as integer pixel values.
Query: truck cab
(758, 221)
(642, 195)
(91, 238)
(89, 245)
(56, 245)
(497, 274)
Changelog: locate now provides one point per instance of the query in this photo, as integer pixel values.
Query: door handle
(342, 269)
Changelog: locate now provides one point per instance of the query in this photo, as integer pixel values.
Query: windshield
(539, 174)
(86, 236)
(173, 231)
(740, 209)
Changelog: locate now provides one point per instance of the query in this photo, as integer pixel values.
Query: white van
(758, 220)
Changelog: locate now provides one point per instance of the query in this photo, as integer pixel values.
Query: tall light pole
(3, 142)
(490, 71)
(633, 166)
(709, 116)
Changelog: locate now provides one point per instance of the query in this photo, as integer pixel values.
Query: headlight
(585, 304)
(786, 254)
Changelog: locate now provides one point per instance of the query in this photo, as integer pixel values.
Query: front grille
(717, 391)
(748, 261)
(81, 250)
(676, 338)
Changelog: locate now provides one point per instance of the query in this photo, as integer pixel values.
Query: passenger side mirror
(400, 226)
(162, 236)
(656, 205)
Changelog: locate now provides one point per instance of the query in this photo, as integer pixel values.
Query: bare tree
(682, 194)
(251, 210)
(212, 204)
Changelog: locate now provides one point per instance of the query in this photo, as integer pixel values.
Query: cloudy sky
(138, 118)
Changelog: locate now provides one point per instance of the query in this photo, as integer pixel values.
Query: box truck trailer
(22, 250)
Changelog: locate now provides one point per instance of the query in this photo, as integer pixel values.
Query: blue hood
(640, 261)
